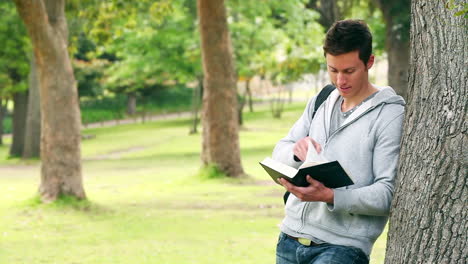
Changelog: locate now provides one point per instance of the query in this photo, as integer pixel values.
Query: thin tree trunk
(196, 98)
(398, 64)
(249, 94)
(329, 11)
(60, 114)
(32, 140)
(428, 222)
(131, 103)
(240, 108)
(2, 118)
(396, 15)
(20, 101)
(220, 124)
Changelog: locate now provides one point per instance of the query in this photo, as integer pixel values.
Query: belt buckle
(304, 241)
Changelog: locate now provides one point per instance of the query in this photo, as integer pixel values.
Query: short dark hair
(349, 35)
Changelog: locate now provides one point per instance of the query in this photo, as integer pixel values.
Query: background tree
(397, 25)
(329, 11)
(277, 39)
(219, 119)
(14, 68)
(60, 113)
(428, 222)
(32, 133)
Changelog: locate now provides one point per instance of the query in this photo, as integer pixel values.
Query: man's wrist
(330, 197)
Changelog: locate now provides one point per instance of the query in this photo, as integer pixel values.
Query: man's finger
(289, 186)
(311, 180)
(316, 145)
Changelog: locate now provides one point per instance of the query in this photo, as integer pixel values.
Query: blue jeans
(290, 251)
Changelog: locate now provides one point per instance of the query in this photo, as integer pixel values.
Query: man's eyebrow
(350, 68)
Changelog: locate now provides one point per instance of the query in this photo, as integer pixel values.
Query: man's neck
(349, 103)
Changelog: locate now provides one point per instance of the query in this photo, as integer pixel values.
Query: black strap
(321, 97)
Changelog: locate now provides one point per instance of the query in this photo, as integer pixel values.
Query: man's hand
(315, 192)
(301, 147)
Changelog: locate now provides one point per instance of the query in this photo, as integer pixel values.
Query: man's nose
(341, 79)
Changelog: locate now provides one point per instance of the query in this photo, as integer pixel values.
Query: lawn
(146, 203)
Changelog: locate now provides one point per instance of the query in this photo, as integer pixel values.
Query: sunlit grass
(148, 203)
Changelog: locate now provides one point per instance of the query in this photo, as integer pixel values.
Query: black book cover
(331, 174)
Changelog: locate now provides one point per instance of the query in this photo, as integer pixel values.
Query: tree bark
(32, 137)
(3, 112)
(20, 101)
(249, 93)
(428, 222)
(131, 103)
(60, 114)
(196, 98)
(329, 12)
(220, 124)
(396, 15)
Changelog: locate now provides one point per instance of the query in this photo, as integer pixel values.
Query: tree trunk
(329, 12)
(220, 127)
(60, 114)
(32, 139)
(396, 15)
(20, 101)
(249, 93)
(240, 108)
(398, 64)
(196, 98)
(131, 103)
(3, 112)
(428, 222)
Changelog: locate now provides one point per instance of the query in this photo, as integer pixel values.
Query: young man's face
(348, 73)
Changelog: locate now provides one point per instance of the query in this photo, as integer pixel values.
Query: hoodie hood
(386, 95)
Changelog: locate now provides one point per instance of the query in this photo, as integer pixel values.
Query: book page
(312, 157)
(280, 167)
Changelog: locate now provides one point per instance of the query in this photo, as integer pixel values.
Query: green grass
(148, 203)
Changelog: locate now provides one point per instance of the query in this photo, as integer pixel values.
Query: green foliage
(88, 75)
(14, 61)
(166, 98)
(152, 42)
(460, 7)
(102, 109)
(152, 100)
(7, 125)
(279, 39)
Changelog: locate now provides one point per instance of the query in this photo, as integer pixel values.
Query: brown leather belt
(304, 241)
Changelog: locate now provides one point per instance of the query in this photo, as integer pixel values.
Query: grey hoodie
(367, 145)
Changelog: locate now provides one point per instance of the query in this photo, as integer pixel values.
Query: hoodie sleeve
(376, 198)
(283, 150)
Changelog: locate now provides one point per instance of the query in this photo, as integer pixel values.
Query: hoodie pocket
(368, 226)
(333, 221)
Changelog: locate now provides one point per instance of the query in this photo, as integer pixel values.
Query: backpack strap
(321, 97)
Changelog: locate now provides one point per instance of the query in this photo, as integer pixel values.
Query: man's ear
(370, 62)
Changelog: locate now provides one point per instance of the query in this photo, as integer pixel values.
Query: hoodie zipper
(304, 210)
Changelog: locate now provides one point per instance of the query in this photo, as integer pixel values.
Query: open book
(330, 173)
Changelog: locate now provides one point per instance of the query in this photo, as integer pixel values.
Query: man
(360, 125)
